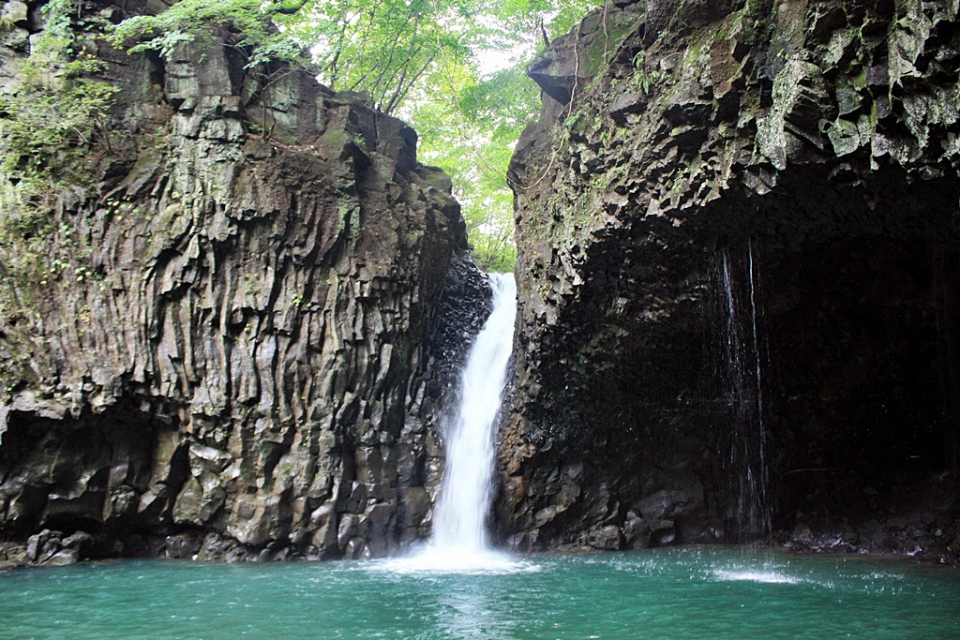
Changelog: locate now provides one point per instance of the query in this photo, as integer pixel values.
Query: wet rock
(80, 541)
(12, 555)
(802, 537)
(346, 531)
(663, 533)
(15, 12)
(184, 546)
(805, 151)
(355, 548)
(671, 503)
(261, 296)
(606, 538)
(43, 545)
(219, 548)
(636, 532)
(415, 504)
(62, 558)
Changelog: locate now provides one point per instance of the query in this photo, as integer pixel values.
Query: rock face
(738, 230)
(225, 346)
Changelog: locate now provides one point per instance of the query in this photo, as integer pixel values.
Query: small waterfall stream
(460, 541)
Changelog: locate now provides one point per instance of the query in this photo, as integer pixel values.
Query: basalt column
(810, 145)
(233, 338)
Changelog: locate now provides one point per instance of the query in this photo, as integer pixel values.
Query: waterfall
(742, 380)
(460, 541)
(467, 489)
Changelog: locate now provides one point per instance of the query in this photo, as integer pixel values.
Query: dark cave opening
(865, 403)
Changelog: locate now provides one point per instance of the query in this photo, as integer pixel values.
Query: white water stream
(471, 442)
(460, 540)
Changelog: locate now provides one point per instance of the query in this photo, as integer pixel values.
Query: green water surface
(667, 594)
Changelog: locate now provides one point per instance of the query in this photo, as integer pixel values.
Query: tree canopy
(452, 68)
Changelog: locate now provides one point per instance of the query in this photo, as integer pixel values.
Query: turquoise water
(666, 594)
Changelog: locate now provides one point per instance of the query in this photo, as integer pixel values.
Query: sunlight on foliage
(208, 21)
(381, 47)
(469, 121)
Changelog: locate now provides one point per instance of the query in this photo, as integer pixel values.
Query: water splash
(763, 576)
(433, 560)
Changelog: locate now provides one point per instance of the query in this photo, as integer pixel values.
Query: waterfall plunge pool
(666, 594)
(457, 588)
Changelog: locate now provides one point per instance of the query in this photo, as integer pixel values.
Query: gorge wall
(231, 338)
(738, 268)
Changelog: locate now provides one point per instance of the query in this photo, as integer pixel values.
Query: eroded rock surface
(738, 272)
(224, 347)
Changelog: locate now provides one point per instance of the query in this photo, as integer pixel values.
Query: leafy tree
(469, 121)
(247, 21)
(54, 118)
(382, 47)
(471, 135)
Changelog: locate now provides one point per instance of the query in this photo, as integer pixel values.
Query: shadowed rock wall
(738, 234)
(225, 346)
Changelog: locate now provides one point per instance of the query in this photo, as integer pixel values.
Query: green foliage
(472, 139)
(470, 116)
(645, 80)
(245, 24)
(54, 107)
(381, 47)
(53, 115)
(455, 70)
(59, 19)
(522, 20)
(50, 116)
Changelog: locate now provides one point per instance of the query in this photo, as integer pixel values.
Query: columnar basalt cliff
(222, 345)
(739, 266)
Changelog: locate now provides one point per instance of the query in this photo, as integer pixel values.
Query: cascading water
(460, 542)
(743, 387)
(470, 447)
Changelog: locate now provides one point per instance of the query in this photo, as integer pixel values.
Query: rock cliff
(738, 269)
(221, 343)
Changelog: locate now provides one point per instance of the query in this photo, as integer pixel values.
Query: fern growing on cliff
(55, 106)
(51, 115)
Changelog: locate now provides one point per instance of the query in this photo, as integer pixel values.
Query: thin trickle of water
(742, 373)
(762, 428)
(467, 490)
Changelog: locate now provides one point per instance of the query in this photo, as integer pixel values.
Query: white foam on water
(455, 560)
(765, 576)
